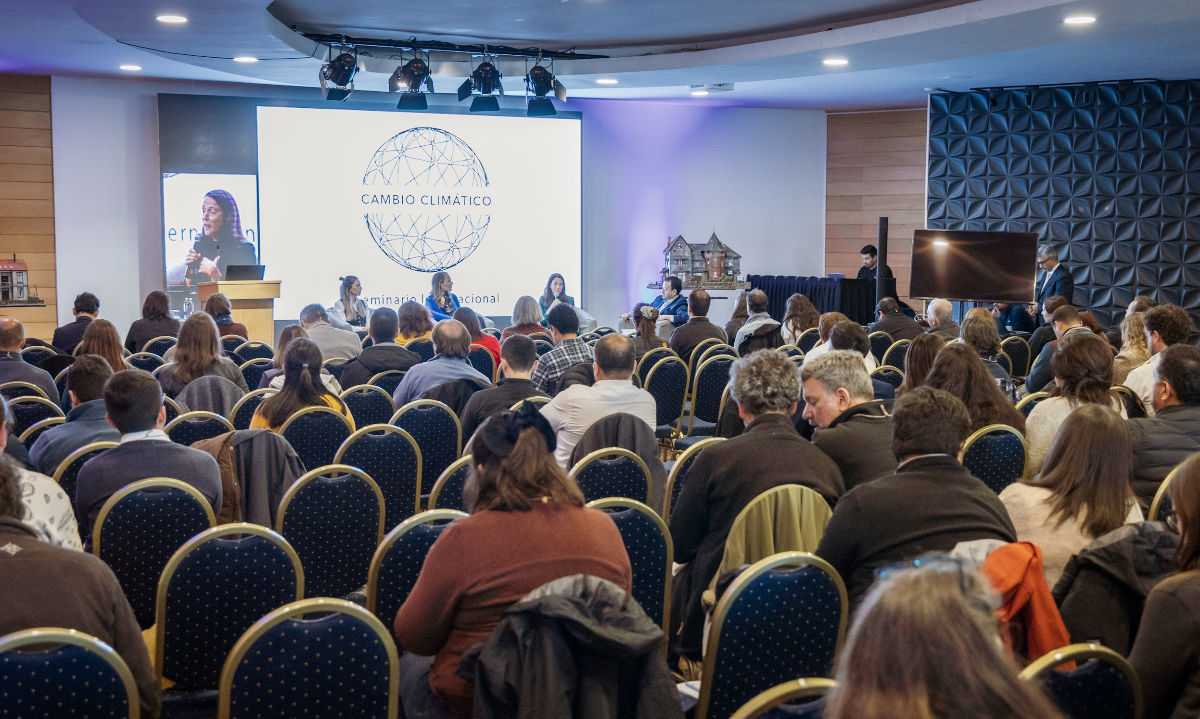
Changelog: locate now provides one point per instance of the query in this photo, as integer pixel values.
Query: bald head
(450, 338)
(12, 334)
(615, 357)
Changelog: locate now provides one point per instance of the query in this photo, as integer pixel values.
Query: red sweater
(492, 344)
(482, 564)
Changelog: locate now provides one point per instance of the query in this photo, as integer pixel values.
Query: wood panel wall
(875, 167)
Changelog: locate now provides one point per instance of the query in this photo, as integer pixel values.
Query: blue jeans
(417, 700)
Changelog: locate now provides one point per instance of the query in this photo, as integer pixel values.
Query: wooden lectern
(253, 304)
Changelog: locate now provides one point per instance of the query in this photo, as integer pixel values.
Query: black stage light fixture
(540, 81)
(485, 80)
(337, 77)
(409, 77)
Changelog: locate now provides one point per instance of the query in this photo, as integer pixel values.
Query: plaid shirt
(554, 363)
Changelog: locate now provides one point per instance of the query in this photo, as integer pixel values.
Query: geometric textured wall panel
(1109, 174)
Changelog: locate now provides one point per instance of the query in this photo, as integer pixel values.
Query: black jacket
(575, 647)
(685, 337)
(70, 334)
(376, 359)
(1159, 443)
(485, 403)
(860, 442)
(899, 326)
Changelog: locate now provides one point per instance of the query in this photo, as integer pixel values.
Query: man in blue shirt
(86, 421)
(451, 342)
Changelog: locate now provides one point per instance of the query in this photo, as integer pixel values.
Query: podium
(253, 304)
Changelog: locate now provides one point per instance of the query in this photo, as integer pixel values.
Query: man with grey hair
(333, 343)
(852, 427)
(1053, 278)
(451, 343)
(726, 476)
(940, 316)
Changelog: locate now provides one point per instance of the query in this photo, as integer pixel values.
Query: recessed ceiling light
(245, 58)
(607, 81)
(131, 68)
(835, 61)
(1080, 20)
(699, 93)
(172, 19)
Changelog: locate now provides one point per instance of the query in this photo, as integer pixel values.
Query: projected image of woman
(441, 302)
(221, 243)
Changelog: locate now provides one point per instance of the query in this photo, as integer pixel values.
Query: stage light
(409, 77)
(485, 80)
(337, 77)
(540, 81)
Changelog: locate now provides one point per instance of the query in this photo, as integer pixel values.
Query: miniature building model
(14, 281)
(710, 262)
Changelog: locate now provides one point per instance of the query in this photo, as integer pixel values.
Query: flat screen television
(974, 266)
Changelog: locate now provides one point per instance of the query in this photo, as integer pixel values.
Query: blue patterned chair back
(482, 360)
(387, 381)
(399, 558)
(1017, 350)
(491, 331)
(34, 355)
(214, 588)
(147, 361)
(1161, 507)
(60, 382)
(316, 433)
(711, 378)
(139, 529)
(796, 698)
(422, 347)
(996, 455)
(667, 382)
(230, 343)
(159, 345)
(57, 672)
(68, 469)
(253, 350)
(28, 411)
(194, 426)
(1005, 362)
(651, 553)
(880, 341)
(447, 491)
(334, 367)
(368, 405)
(333, 517)
(808, 339)
(389, 456)
(31, 434)
(254, 369)
(1102, 684)
(1029, 401)
(650, 359)
(542, 346)
(243, 412)
(173, 410)
(792, 351)
(612, 472)
(756, 640)
(683, 463)
(886, 373)
(436, 429)
(14, 389)
(338, 661)
(894, 356)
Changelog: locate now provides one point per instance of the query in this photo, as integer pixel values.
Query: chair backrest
(212, 590)
(342, 662)
(667, 382)
(756, 640)
(194, 426)
(28, 411)
(254, 349)
(388, 380)
(1017, 349)
(651, 553)
(159, 345)
(808, 339)
(1127, 397)
(316, 433)
(333, 516)
(649, 359)
(173, 409)
(334, 366)
(1029, 401)
(1101, 684)
(254, 369)
(68, 469)
(612, 472)
(147, 361)
(482, 360)
(210, 394)
(243, 412)
(780, 694)
(792, 351)
(894, 356)
(491, 331)
(683, 462)
(437, 431)
(880, 342)
(536, 399)
(17, 388)
(230, 343)
(996, 455)
(423, 347)
(447, 490)
(711, 378)
(1004, 361)
(368, 404)
(58, 672)
(1160, 507)
(30, 435)
(542, 346)
(887, 373)
(392, 458)
(35, 354)
(398, 560)
(138, 530)
(694, 359)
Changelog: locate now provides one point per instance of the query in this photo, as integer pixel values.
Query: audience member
(383, 354)
(555, 293)
(48, 512)
(725, 477)
(349, 312)
(738, 318)
(135, 407)
(1166, 325)
(890, 319)
(574, 409)
(824, 327)
(1045, 330)
(197, 354)
(156, 321)
(86, 422)
(852, 427)
(918, 360)
(1164, 440)
(13, 368)
(1082, 374)
(526, 319)
(568, 351)
(959, 371)
(441, 302)
(1065, 321)
(1141, 303)
(848, 335)
(101, 338)
(1082, 491)
(470, 320)
(518, 359)
(760, 332)
(940, 316)
(286, 335)
(528, 526)
(1090, 321)
(799, 315)
(415, 322)
(1012, 318)
(301, 388)
(1164, 652)
(85, 309)
(334, 343)
(930, 503)
(926, 643)
(1054, 278)
(220, 309)
(1134, 351)
(980, 335)
(48, 586)
(451, 342)
(685, 337)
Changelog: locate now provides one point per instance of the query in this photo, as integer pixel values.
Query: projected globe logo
(425, 199)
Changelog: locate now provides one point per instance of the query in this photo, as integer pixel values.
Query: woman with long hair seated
(800, 315)
(1134, 351)
(101, 338)
(286, 336)
(926, 644)
(824, 328)
(645, 319)
(526, 319)
(349, 312)
(959, 371)
(301, 388)
(413, 322)
(1082, 492)
(156, 321)
(555, 293)
(197, 354)
(918, 360)
(1082, 368)
(528, 526)
(470, 320)
(441, 302)
(220, 309)
(980, 334)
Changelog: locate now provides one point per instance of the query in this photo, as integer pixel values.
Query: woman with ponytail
(350, 312)
(302, 387)
(528, 526)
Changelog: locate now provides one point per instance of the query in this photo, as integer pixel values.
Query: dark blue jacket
(1060, 284)
(676, 308)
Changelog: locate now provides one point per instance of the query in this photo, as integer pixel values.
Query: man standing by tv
(1053, 279)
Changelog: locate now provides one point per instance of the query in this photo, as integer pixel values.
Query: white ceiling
(771, 49)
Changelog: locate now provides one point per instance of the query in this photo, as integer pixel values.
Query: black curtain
(853, 298)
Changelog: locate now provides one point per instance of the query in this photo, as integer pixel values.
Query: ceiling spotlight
(409, 77)
(337, 77)
(171, 19)
(700, 92)
(1080, 20)
(131, 68)
(485, 80)
(540, 81)
(607, 81)
(835, 62)
(245, 58)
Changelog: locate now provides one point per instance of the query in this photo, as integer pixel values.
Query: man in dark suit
(518, 359)
(86, 307)
(685, 337)
(13, 368)
(891, 320)
(1053, 278)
